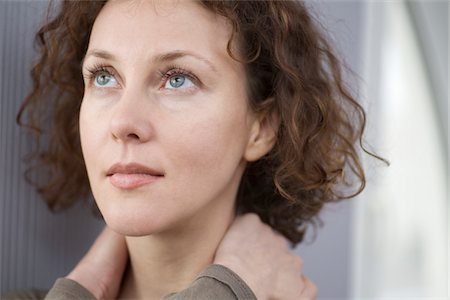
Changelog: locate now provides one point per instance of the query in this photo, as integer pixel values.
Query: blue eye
(104, 79)
(178, 81)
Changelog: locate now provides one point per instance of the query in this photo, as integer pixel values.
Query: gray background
(37, 246)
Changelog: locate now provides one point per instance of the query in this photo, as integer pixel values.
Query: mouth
(131, 176)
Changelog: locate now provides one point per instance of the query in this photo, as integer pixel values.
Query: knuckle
(298, 263)
(266, 230)
(251, 218)
(314, 291)
(311, 287)
(278, 238)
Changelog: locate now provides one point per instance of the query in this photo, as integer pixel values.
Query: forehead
(139, 30)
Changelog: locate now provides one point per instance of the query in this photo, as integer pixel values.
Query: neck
(168, 262)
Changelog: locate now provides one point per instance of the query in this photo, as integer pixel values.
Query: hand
(100, 270)
(261, 257)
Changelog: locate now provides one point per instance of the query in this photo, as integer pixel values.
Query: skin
(199, 135)
(250, 248)
(262, 258)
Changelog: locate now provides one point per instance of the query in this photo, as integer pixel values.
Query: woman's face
(164, 122)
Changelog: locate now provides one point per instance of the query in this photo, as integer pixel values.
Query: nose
(130, 122)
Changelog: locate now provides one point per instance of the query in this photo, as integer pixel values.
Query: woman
(189, 113)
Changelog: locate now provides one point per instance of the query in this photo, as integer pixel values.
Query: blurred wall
(401, 223)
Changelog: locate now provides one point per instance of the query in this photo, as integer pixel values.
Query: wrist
(89, 281)
(241, 269)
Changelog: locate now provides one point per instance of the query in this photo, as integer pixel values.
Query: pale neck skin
(168, 262)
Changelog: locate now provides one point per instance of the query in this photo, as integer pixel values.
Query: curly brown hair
(291, 71)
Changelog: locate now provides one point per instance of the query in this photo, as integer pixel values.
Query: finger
(250, 218)
(281, 240)
(309, 291)
(298, 264)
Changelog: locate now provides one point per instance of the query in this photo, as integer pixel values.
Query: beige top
(216, 282)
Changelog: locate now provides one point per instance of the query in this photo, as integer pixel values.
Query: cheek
(84, 132)
(90, 136)
(211, 148)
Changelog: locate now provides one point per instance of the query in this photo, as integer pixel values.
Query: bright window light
(401, 222)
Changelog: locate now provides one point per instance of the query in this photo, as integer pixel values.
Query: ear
(263, 135)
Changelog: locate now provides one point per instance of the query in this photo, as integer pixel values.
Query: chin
(133, 223)
(129, 229)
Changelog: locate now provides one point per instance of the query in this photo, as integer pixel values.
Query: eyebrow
(160, 58)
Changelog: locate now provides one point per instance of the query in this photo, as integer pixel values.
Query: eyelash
(174, 70)
(98, 68)
(164, 74)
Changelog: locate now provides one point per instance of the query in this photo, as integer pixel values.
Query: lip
(132, 175)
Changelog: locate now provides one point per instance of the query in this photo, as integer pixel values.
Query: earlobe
(263, 136)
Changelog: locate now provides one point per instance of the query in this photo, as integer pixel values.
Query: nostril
(125, 128)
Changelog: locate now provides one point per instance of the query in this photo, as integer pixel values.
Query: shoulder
(215, 282)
